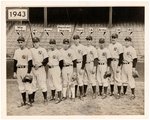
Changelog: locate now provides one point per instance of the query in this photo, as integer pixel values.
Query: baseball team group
(74, 68)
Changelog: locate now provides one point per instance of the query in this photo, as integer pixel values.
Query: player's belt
(114, 59)
(39, 66)
(89, 62)
(52, 66)
(79, 62)
(67, 65)
(101, 63)
(21, 66)
(126, 62)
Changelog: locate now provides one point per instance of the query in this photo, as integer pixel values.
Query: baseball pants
(23, 87)
(127, 77)
(101, 69)
(115, 77)
(40, 78)
(67, 83)
(54, 78)
(80, 76)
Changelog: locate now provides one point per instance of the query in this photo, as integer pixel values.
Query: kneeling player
(129, 64)
(104, 61)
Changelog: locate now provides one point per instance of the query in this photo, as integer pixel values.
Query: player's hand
(118, 69)
(36, 66)
(94, 70)
(133, 70)
(81, 72)
(15, 75)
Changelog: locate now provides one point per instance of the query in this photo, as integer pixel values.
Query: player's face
(101, 45)
(36, 44)
(66, 46)
(52, 46)
(127, 43)
(76, 41)
(89, 42)
(113, 40)
(21, 44)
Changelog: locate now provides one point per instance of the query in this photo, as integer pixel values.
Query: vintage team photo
(75, 60)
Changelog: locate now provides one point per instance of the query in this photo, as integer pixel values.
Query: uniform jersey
(80, 51)
(22, 56)
(103, 55)
(54, 57)
(91, 53)
(129, 53)
(115, 50)
(38, 55)
(68, 56)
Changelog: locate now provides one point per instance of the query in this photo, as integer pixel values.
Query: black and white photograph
(75, 60)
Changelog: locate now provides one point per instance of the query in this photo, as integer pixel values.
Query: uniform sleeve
(108, 54)
(45, 54)
(134, 54)
(120, 48)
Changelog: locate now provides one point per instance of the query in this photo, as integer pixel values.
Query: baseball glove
(27, 78)
(74, 77)
(135, 74)
(107, 74)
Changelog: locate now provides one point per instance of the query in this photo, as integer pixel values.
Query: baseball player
(116, 51)
(104, 61)
(40, 59)
(22, 67)
(81, 61)
(90, 67)
(54, 72)
(69, 70)
(129, 64)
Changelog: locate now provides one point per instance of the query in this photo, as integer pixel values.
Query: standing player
(129, 64)
(91, 63)
(40, 59)
(68, 70)
(116, 51)
(104, 61)
(54, 72)
(81, 61)
(22, 67)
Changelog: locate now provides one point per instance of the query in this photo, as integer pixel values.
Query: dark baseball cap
(114, 35)
(35, 39)
(128, 39)
(101, 40)
(89, 38)
(52, 41)
(66, 41)
(76, 37)
(21, 39)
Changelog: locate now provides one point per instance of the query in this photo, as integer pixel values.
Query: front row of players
(74, 65)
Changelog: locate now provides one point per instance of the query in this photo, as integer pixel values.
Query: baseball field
(98, 106)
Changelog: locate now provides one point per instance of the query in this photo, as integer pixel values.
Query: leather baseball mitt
(28, 78)
(107, 74)
(135, 74)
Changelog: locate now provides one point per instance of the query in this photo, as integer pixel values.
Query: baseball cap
(128, 39)
(76, 37)
(114, 35)
(66, 41)
(101, 40)
(52, 41)
(20, 39)
(35, 39)
(89, 38)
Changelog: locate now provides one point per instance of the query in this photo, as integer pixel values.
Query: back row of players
(75, 66)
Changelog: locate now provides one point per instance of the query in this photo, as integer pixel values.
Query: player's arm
(45, 60)
(120, 59)
(75, 65)
(95, 60)
(134, 55)
(29, 66)
(61, 64)
(84, 58)
(15, 65)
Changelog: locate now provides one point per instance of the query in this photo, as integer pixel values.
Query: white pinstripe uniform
(22, 57)
(54, 72)
(129, 53)
(115, 50)
(38, 56)
(68, 56)
(103, 55)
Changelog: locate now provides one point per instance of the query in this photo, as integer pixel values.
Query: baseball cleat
(29, 105)
(81, 98)
(84, 95)
(52, 99)
(104, 96)
(132, 97)
(58, 101)
(64, 98)
(45, 102)
(94, 96)
(100, 94)
(118, 96)
(111, 94)
(21, 105)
